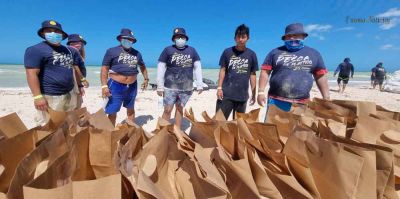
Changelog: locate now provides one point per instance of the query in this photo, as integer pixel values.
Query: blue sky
(210, 26)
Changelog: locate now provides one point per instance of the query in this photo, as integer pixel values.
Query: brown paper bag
(11, 125)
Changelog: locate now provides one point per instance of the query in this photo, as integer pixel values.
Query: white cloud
(392, 12)
(315, 30)
(345, 28)
(389, 47)
(392, 23)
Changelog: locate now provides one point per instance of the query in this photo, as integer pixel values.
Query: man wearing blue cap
(293, 68)
(119, 76)
(345, 70)
(49, 71)
(175, 75)
(77, 42)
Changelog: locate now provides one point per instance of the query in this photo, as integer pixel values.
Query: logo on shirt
(294, 62)
(128, 59)
(62, 59)
(181, 60)
(239, 65)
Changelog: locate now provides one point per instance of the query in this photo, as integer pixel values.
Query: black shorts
(345, 79)
(379, 81)
(227, 106)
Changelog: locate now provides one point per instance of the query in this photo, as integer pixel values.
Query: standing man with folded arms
(119, 76)
(175, 75)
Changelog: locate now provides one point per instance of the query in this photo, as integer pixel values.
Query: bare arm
(145, 83)
(103, 79)
(33, 81)
(32, 76)
(262, 83)
(253, 82)
(322, 83)
(221, 77)
(104, 75)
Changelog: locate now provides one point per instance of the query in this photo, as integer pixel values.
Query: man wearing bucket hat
(77, 42)
(49, 70)
(345, 70)
(175, 68)
(293, 68)
(239, 65)
(119, 76)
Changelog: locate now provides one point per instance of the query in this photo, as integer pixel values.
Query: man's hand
(160, 93)
(145, 84)
(105, 92)
(81, 91)
(261, 100)
(85, 83)
(220, 94)
(252, 100)
(41, 104)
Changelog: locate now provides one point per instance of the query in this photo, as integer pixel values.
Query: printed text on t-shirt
(294, 62)
(181, 60)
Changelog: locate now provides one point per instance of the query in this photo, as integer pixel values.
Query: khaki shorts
(57, 103)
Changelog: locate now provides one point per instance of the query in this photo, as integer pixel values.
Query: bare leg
(113, 118)
(130, 114)
(178, 115)
(167, 112)
(344, 87)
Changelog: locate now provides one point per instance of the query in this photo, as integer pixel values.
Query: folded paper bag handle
(392, 135)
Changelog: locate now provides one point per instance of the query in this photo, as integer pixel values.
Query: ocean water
(13, 76)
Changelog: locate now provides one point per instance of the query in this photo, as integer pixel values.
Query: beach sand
(146, 105)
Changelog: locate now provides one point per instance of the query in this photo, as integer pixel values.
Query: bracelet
(219, 88)
(37, 97)
(83, 79)
(104, 86)
(147, 79)
(261, 93)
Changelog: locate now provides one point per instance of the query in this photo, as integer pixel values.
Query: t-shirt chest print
(62, 59)
(181, 60)
(128, 59)
(294, 62)
(238, 64)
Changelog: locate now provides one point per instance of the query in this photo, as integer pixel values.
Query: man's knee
(168, 109)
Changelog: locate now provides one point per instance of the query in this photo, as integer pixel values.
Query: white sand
(21, 102)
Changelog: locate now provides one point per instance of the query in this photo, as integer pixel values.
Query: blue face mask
(53, 38)
(126, 43)
(294, 45)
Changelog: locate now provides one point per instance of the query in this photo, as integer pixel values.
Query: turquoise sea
(13, 76)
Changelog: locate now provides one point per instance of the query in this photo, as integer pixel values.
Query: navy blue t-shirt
(380, 72)
(345, 69)
(81, 63)
(56, 67)
(239, 65)
(179, 63)
(122, 61)
(292, 72)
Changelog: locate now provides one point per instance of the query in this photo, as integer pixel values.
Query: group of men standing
(54, 70)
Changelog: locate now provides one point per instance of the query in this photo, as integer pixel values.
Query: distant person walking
(345, 70)
(379, 73)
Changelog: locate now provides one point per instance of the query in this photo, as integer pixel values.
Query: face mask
(126, 43)
(294, 45)
(53, 38)
(180, 43)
